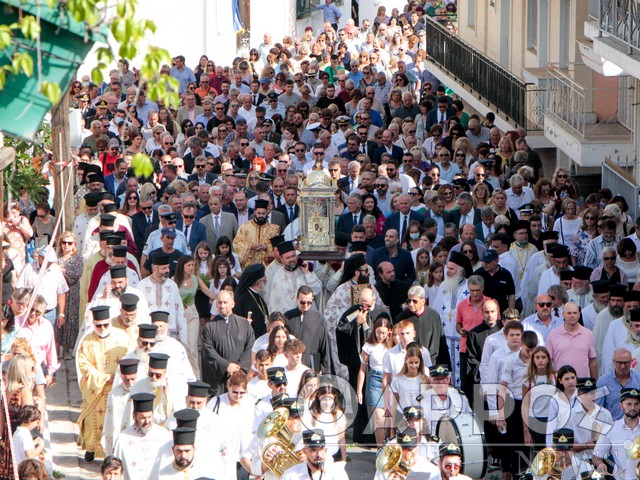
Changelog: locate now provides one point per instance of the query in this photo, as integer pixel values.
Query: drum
(465, 432)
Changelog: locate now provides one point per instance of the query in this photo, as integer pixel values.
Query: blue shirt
(330, 12)
(184, 76)
(611, 401)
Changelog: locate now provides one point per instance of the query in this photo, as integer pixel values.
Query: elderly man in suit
(353, 216)
(465, 213)
(399, 221)
(142, 220)
(194, 232)
(219, 223)
(189, 110)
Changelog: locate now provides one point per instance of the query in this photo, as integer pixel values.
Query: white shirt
(614, 442)
(393, 360)
(533, 323)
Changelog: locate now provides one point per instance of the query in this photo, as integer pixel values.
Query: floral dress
(72, 268)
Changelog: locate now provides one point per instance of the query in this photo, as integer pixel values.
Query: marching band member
(428, 443)
(615, 441)
(442, 399)
(277, 381)
(566, 466)
(317, 465)
(411, 459)
(451, 463)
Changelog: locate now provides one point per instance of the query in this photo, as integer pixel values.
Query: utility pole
(63, 174)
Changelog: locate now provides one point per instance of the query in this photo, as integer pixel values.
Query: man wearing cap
(409, 442)
(168, 238)
(253, 240)
(253, 446)
(226, 344)
(599, 290)
(168, 219)
(118, 286)
(249, 298)
(624, 332)
(614, 310)
(427, 441)
(618, 438)
(441, 399)
(290, 278)
(276, 264)
(580, 291)
(572, 344)
(587, 419)
(138, 445)
(112, 253)
(127, 320)
(551, 276)
(162, 294)
(115, 420)
(450, 464)
(569, 457)
(169, 394)
(117, 255)
(521, 250)
(55, 293)
(120, 222)
(453, 290)
(81, 221)
(317, 463)
(277, 382)
(96, 364)
(537, 264)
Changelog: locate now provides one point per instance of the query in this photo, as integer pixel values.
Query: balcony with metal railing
(618, 33)
(586, 123)
(520, 103)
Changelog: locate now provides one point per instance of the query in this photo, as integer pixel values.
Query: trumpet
(390, 461)
(275, 427)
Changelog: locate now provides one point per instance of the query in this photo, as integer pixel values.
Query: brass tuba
(275, 427)
(544, 463)
(390, 462)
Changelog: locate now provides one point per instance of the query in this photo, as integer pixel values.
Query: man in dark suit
(308, 325)
(353, 216)
(194, 232)
(440, 114)
(399, 221)
(201, 175)
(465, 213)
(366, 146)
(351, 182)
(143, 220)
(290, 209)
(119, 175)
(387, 147)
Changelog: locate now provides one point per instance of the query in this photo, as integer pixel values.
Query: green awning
(63, 47)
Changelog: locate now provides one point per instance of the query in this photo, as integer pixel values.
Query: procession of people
(479, 314)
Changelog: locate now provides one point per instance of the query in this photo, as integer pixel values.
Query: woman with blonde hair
(19, 386)
(480, 195)
(71, 264)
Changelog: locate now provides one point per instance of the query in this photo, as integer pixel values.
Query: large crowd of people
(472, 284)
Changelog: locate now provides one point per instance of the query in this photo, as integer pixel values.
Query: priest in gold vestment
(96, 364)
(253, 240)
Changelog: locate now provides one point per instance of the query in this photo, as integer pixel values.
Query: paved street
(63, 405)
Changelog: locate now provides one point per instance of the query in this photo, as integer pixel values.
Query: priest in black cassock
(353, 329)
(308, 325)
(248, 298)
(226, 344)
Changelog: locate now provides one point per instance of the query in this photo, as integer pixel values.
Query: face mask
(103, 333)
(414, 236)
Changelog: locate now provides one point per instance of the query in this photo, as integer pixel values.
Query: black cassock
(224, 343)
(312, 330)
(250, 301)
(350, 337)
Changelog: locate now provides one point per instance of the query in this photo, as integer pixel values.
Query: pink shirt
(469, 317)
(575, 349)
(43, 343)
